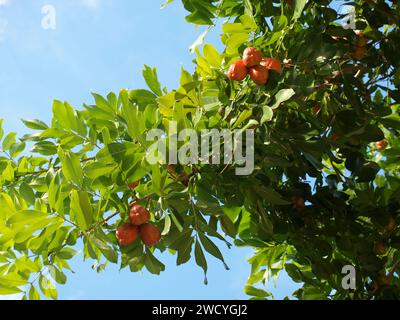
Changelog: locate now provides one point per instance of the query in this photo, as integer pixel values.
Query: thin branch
(46, 170)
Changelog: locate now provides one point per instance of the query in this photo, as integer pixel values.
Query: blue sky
(101, 46)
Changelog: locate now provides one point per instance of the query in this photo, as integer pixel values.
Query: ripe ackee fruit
(259, 74)
(359, 53)
(126, 234)
(251, 57)
(381, 145)
(150, 234)
(361, 40)
(139, 215)
(391, 226)
(133, 185)
(237, 71)
(271, 64)
(298, 203)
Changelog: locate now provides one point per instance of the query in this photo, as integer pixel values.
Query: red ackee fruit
(381, 145)
(259, 74)
(251, 57)
(271, 64)
(126, 234)
(237, 71)
(298, 203)
(150, 234)
(391, 225)
(139, 215)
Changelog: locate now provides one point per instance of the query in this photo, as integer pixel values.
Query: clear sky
(101, 46)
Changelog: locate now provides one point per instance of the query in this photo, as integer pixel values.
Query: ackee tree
(323, 99)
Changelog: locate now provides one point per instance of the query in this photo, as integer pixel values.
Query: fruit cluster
(139, 225)
(254, 65)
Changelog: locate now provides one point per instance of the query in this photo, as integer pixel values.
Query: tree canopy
(325, 192)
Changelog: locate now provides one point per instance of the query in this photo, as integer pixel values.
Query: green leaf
(177, 224)
(244, 115)
(53, 193)
(46, 148)
(212, 56)
(282, 96)
(200, 12)
(212, 249)
(102, 103)
(16, 149)
(35, 124)
(234, 42)
(248, 7)
(228, 226)
(105, 133)
(233, 28)
(24, 264)
(57, 275)
(47, 287)
(59, 238)
(298, 10)
(27, 193)
(33, 294)
(255, 292)
(81, 209)
(6, 290)
(133, 118)
(26, 217)
(68, 118)
(66, 253)
(97, 169)
(153, 265)
(110, 254)
(267, 114)
(8, 173)
(201, 260)
(185, 78)
(12, 280)
(9, 140)
(183, 245)
(71, 166)
(156, 179)
(151, 78)
(142, 97)
(167, 225)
